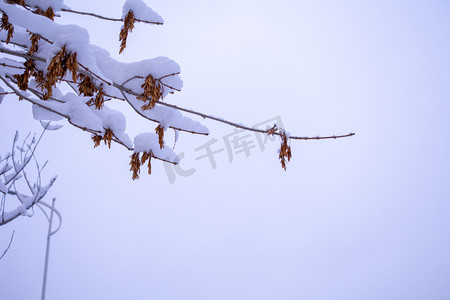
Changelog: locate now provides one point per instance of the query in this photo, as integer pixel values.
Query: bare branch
(106, 18)
(20, 54)
(9, 245)
(11, 66)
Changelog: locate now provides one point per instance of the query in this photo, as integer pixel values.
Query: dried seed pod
(135, 164)
(285, 150)
(56, 69)
(272, 130)
(34, 38)
(39, 78)
(5, 25)
(99, 99)
(72, 65)
(153, 91)
(149, 165)
(86, 87)
(128, 25)
(97, 139)
(160, 132)
(49, 13)
(22, 80)
(145, 156)
(20, 2)
(107, 137)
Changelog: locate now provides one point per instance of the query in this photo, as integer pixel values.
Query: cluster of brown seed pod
(5, 25)
(34, 38)
(137, 161)
(153, 91)
(285, 149)
(49, 13)
(107, 138)
(20, 2)
(22, 79)
(128, 25)
(160, 132)
(85, 86)
(57, 69)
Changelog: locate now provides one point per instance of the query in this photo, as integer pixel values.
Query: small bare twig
(10, 66)
(106, 18)
(9, 245)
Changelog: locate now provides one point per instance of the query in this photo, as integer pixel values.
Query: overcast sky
(366, 217)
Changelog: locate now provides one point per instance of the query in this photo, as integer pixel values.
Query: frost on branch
(57, 69)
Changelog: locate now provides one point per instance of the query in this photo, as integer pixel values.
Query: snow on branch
(64, 76)
(15, 174)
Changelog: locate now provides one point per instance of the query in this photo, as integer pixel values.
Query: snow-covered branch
(13, 170)
(55, 60)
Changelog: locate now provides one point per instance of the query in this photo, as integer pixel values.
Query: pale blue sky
(361, 218)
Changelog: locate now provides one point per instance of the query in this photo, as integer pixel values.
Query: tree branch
(106, 18)
(9, 245)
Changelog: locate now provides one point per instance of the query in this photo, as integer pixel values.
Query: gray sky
(365, 217)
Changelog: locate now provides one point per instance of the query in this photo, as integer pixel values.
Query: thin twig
(24, 163)
(9, 245)
(14, 43)
(89, 71)
(20, 54)
(153, 120)
(106, 18)
(158, 79)
(10, 66)
(168, 75)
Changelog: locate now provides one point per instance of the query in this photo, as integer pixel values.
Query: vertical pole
(47, 251)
